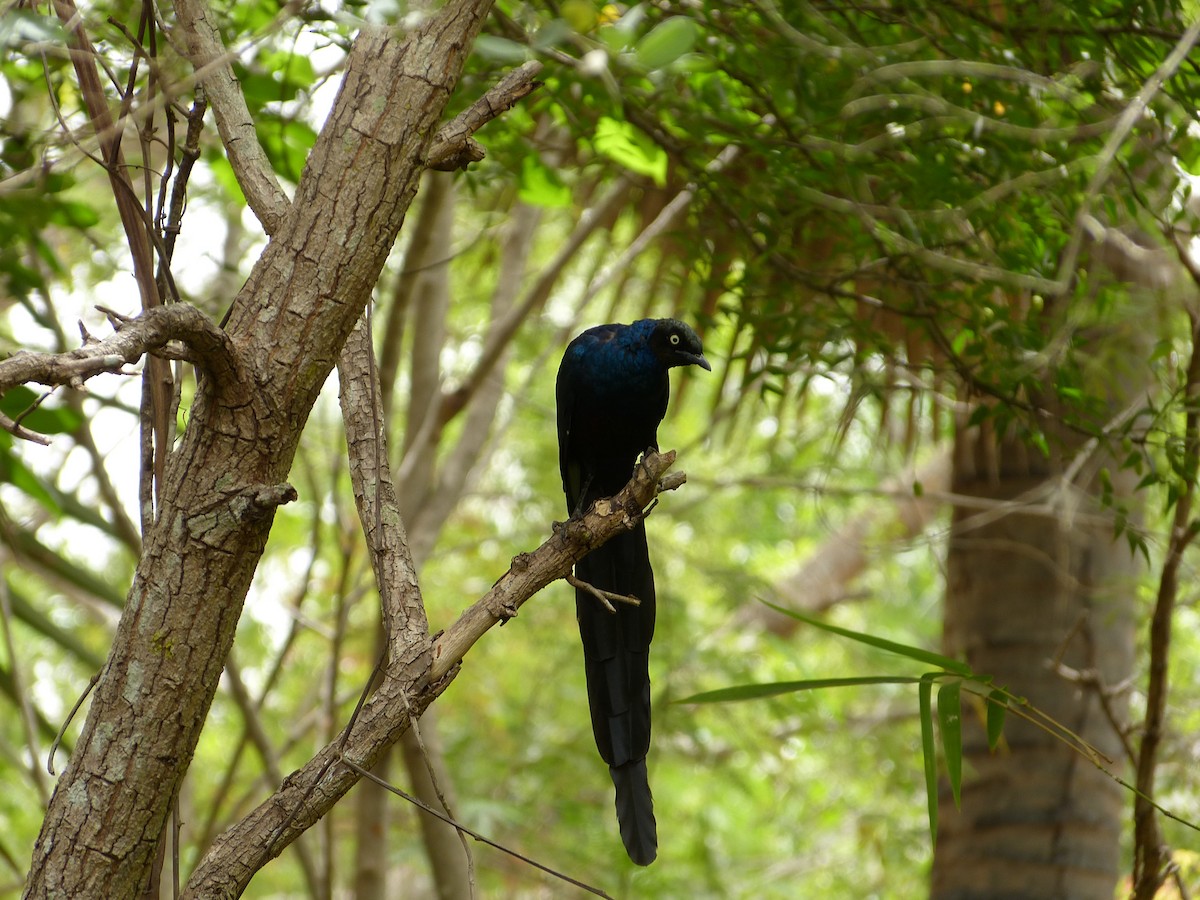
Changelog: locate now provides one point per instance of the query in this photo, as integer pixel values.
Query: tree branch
(213, 65)
(375, 497)
(205, 344)
(290, 321)
(554, 559)
(1150, 856)
(1128, 119)
(408, 688)
(453, 147)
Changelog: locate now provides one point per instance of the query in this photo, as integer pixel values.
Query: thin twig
(606, 598)
(67, 722)
(475, 834)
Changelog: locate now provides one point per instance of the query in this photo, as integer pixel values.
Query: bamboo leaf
(916, 653)
(772, 689)
(925, 703)
(950, 725)
(997, 707)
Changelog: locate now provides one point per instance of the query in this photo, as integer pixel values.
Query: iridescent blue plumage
(612, 392)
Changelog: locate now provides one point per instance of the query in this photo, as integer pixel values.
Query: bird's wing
(565, 404)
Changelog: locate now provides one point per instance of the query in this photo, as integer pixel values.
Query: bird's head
(675, 344)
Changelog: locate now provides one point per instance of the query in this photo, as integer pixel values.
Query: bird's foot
(606, 598)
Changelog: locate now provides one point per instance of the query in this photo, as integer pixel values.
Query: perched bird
(611, 394)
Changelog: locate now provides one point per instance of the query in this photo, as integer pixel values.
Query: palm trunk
(1039, 596)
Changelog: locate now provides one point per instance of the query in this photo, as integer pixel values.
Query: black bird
(612, 392)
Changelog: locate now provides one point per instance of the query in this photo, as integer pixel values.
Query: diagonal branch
(407, 690)
(204, 344)
(453, 147)
(554, 559)
(1128, 119)
(214, 67)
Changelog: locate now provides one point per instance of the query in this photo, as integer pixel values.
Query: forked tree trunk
(225, 478)
(1030, 591)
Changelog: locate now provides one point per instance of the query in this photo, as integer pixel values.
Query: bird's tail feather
(635, 811)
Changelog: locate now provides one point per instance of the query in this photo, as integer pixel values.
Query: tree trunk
(1041, 599)
(223, 483)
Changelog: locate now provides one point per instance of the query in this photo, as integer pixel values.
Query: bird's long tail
(616, 652)
(635, 811)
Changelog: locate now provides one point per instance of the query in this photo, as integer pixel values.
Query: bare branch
(1150, 855)
(409, 687)
(205, 344)
(213, 65)
(603, 597)
(530, 572)
(453, 147)
(375, 497)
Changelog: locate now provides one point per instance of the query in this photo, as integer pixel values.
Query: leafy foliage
(882, 205)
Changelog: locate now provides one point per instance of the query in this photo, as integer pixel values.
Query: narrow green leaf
(997, 707)
(950, 725)
(980, 413)
(772, 689)
(74, 214)
(1038, 439)
(961, 340)
(925, 698)
(916, 653)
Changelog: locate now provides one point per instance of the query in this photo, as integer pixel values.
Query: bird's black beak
(697, 359)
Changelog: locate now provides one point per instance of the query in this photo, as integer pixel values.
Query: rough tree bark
(224, 481)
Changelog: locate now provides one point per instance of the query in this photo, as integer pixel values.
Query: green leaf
(961, 340)
(668, 41)
(997, 707)
(540, 185)
(927, 657)
(950, 725)
(74, 214)
(978, 414)
(18, 27)
(772, 689)
(223, 175)
(292, 71)
(581, 15)
(626, 145)
(1038, 439)
(550, 35)
(925, 706)
(16, 473)
(286, 142)
(500, 49)
(44, 419)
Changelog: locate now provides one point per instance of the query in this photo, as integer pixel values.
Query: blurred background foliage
(875, 215)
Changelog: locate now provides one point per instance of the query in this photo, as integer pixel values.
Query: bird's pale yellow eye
(674, 340)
